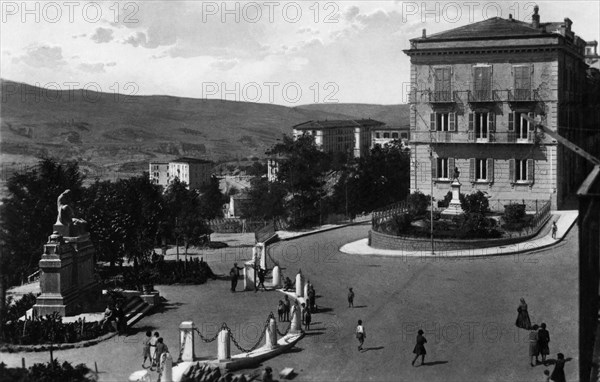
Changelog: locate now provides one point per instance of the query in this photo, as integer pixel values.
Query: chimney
(510, 17)
(424, 33)
(535, 18)
(568, 23)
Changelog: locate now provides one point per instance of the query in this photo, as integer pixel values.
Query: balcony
(441, 97)
(482, 96)
(522, 95)
(503, 137)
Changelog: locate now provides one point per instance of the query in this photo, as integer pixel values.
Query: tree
(212, 200)
(266, 200)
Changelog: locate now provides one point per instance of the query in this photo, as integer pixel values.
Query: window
(480, 170)
(443, 121)
(482, 82)
(442, 84)
(442, 168)
(386, 135)
(522, 83)
(481, 126)
(520, 170)
(522, 126)
(404, 135)
(395, 135)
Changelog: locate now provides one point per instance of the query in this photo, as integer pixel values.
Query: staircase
(135, 309)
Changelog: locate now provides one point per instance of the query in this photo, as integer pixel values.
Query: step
(132, 301)
(138, 316)
(134, 310)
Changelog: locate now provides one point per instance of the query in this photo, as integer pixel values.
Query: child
(146, 352)
(153, 342)
(280, 310)
(350, 298)
(307, 319)
(360, 334)
(554, 229)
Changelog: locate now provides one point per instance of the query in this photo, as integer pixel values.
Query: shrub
(417, 203)
(477, 226)
(514, 213)
(46, 372)
(20, 307)
(401, 223)
(476, 202)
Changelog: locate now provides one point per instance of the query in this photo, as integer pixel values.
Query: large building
(472, 87)
(340, 136)
(192, 171)
(385, 134)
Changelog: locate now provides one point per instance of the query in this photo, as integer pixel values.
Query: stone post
(271, 335)
(166, 363)
(186, 341)
(306, 289)
(299, 286)
(224, 348)
(276, 277)
(295, 325)
(249, 277)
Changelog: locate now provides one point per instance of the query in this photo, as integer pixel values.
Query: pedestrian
(261, 279)
(109, 316)
(161, 348)
(288, 285)
(120, 320)
(287, 307)
(554, 229)
(153, 342)
(307, 319)
(419, 349)
(280, 310)
(523, 320)
(234, 274)
(146, 350)
(360, 334)
(558, 374)
(350, 298)
(543, 341)
(267, 375)
(533, 345)
(303, 311)
(311, 299)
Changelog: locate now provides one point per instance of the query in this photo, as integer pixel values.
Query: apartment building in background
(194, 172)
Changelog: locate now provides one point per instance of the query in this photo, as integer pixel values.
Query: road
(466, 307)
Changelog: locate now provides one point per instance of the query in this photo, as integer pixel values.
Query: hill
(115, 135)
(392, 115)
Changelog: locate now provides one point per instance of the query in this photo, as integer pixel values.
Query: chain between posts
(204, 339)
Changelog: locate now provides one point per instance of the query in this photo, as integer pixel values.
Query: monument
(454, 208)
(67, 266)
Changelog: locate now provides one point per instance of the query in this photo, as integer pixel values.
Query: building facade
(472, 89)
(340, 136)
(192, 171)
(158, 172)
(385, 134)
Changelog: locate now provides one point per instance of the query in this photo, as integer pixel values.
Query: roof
(340, 123)
(493, 27)
(191, 160)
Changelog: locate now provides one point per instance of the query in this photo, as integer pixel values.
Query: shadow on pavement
(360, 306)
(168, 306)
(372, 348)
(433, 363)
(313, 333)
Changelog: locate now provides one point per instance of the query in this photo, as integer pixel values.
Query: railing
(383, 215)
(472, 137)
(441, 96)
(521, 95)
(482, 96)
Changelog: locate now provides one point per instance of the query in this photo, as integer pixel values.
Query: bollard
(271, 335)
(295, 325)
(299, 286)
(276, 277)
(306, 288)
(224, 348)
(166, 364)
(186, 341)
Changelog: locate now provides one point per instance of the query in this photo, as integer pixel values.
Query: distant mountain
(393, 115)
(113, 135)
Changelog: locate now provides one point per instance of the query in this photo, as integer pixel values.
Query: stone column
(271, 335)
(224, 348)
(186, 341)
(276, 277)
(249, 277)
(166, 363)
(306, 289)
(299, 286)
(296, 323)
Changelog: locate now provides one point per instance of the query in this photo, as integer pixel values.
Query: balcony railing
(522, 95)
(483, 96)
(441, 96)
(502, 137)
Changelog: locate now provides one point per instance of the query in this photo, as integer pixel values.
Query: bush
(446, 202)
(417, 203)
(477, 226)
(20, 307)
(48, 372)
(514, 213)
(476, 202)
(401, 223)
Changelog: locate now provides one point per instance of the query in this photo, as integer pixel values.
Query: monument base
(453, 209)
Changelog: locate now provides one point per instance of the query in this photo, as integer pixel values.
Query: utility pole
(431, 195)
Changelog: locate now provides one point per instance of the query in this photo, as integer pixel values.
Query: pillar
(186, 341)
(276, 277)
(224, 345)
(299, 286)
(271, 335)
(295, 325)
(166, 363)
(306, 289)
(249, 277)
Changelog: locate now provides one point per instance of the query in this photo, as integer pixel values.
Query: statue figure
(456, 173)
(65, 212)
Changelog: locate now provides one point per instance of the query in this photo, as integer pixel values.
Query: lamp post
(431, 194)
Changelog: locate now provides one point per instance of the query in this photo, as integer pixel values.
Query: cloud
(308, 30)
(91, 68)
(79, 35)
(351, 13)
(224, 65)
(139, 39)
(102, 35)
(42, 56)
(111, 64)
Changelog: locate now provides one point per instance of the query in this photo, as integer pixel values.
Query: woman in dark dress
(523, 320)
(543, 341)
(419, 349)
(558, 374)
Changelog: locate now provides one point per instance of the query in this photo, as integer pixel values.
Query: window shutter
(451, 166)
(511, 121)
(471, 119)
(531, 124)
(490, 170)
(511, 170)
(530, 170)
(432, 126)
(452, 121)
(434, 168)
(492, 122)
(472, 169)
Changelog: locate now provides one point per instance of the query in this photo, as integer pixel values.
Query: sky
(288, 53)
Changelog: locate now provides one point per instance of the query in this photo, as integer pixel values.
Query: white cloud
(42, 56)
(102, 35)
(91, 68)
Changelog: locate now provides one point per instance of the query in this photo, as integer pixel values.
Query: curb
(9, 348)
(323, 230)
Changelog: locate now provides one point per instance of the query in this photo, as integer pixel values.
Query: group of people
(114, 317)
(154, 348)
(539, 340)
(285, 309)
(234, 275)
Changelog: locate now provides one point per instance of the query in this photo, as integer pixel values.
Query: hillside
(114, 136)
(392, 115)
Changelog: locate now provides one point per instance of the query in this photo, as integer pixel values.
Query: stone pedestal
(186, 341)
(224, 349)
(276, 277)
(250, 276)
(271, 335)
(454, 207)
(299, 286)
(67, 276)
(166, 364)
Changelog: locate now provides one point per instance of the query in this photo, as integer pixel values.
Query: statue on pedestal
(456, 174)
(65, 216)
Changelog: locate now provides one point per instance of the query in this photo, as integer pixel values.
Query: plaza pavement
(466, 306)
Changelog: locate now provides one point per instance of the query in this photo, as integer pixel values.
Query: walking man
(350, 298)
(261, 279)
(287, 307)
(554, 229)
(234, 273)
(360, 334)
